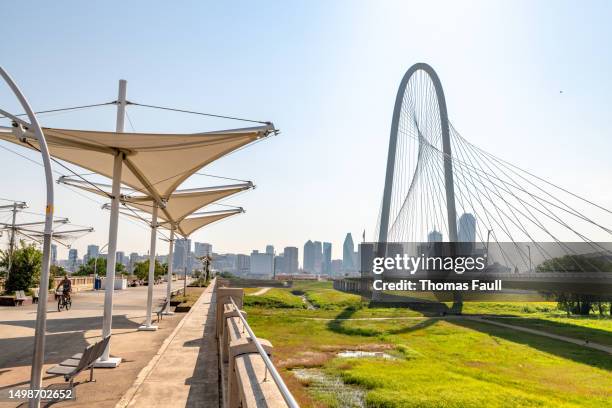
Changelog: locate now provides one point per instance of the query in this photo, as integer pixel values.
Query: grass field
(439, 362)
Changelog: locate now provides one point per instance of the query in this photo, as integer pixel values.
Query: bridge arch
(419, 71)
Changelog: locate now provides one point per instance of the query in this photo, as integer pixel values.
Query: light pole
(41, 315)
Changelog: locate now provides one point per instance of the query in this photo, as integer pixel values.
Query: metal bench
(162, 308)
(20, 297)
(80, 362)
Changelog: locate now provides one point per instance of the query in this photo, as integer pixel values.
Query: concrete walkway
(185, 371)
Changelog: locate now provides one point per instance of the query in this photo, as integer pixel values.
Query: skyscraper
(309, 257)
(327, 255)
(132, 261)
(202, 249)
(291, 260)
(270, 249)
(318, 257)
(467, 228)
(120, 257)
(348, 253)
(182, 255)
(73, 259)
(92, 252)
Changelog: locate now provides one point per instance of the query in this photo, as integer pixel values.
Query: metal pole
(147, 326)
(105, 360)
(41, 315)
(170, 261)
(11, 242)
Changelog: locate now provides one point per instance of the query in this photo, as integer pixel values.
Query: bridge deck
(185, 371)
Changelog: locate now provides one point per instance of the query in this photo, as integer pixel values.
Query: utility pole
(15, 206)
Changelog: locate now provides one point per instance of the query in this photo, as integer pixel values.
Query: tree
(26, 263)
(55, 271)
(141, 269)
(97, 265)
(574, 303)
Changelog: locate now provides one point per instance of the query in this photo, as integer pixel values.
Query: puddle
(330, 388)
(365, 354)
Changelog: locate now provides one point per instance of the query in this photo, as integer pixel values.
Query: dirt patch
(360, 347)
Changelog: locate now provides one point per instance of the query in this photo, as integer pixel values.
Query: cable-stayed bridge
(440, 187)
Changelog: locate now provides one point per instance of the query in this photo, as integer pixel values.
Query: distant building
(318, 254)
(348, 253)
(434, 236)
(290, 255)
(134, 257)
(327, 255)
(201, 249)
(336, 267)
(73, 259)
(53, 254)
(467, 228)
(92, 252)
(224, 262)
(279, 264)
(270, 249)
(309, 257)
(261, 265)
(120, 258)
(182, 255)
(243, 264)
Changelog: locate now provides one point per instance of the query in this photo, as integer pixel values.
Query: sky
(326, 73)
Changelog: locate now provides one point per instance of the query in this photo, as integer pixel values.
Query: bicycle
(64, 302)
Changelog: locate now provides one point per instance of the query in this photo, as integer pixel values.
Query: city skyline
(544, 103)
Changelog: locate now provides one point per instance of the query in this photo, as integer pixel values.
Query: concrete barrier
(246, 382)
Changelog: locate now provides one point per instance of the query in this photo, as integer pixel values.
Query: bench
(162, 308)
(71, 367)
(34, 296)
(20, 297)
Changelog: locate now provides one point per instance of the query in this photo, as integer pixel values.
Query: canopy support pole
(107, 324)
(170, 261)
(38, 355)
(148, 326)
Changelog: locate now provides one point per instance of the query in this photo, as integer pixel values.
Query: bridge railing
(249, 378)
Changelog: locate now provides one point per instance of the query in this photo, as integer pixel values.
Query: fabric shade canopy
(178, 206)
(155, 164)
(191, 224)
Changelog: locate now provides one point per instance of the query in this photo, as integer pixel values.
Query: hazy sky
(326, 74)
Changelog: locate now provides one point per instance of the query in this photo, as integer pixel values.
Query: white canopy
(189, 225)
(155, 164)
(178, 206)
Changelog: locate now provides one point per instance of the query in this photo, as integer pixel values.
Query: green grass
(322, 295)
(275, 298)
(440, 362)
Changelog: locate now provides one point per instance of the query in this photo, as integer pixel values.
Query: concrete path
(185, 371)
(260, 291)
(583, 343)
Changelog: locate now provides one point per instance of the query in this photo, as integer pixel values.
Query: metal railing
(287, 396)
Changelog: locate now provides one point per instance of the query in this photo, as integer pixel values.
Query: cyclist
(66, 286)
